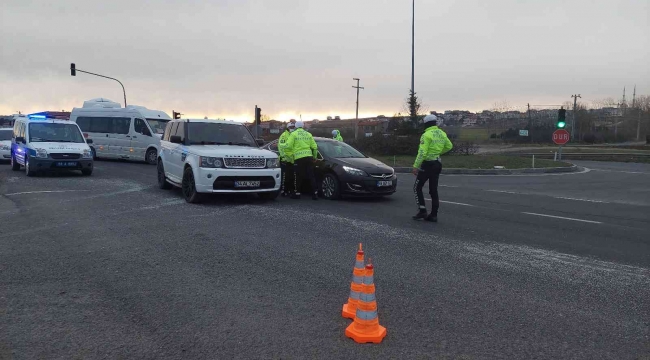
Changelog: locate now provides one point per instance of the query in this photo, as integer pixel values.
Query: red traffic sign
(561, 136)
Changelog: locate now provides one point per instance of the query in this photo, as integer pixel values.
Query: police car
(215, 156)
(42, 144)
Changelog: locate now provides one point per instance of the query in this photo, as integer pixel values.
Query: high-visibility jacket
(299, 145)
(433, 143)
(338, 136)
(282, 144)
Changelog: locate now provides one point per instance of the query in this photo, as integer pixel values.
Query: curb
(573, 168)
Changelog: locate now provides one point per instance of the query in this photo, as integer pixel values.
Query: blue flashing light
(37, 116)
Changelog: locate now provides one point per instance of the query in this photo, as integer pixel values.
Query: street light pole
(413, 51)
(356, 123)
(74, 69)
(573, 123)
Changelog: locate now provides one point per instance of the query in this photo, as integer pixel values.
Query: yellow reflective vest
(282, 144)
(433, 143)
(299, 145)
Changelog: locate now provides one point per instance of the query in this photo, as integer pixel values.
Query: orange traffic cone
(365, 327)
(350, 309)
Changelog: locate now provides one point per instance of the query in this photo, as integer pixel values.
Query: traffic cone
(366, 328)
(350, 309)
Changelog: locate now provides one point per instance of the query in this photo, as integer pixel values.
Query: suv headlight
(87, 154)
(211, 162)
(41, 153)
(272, 163)
(354, 171)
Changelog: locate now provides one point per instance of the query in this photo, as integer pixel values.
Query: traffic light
(73, 69)
(258, 115)
(176, 115)
(561, 119)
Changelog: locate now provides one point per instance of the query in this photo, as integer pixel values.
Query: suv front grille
(64, 156)
(244, 163)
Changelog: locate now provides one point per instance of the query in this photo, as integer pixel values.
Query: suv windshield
(201, 133)
(53, 132)
(158, 125)
(338, 149)
(5, 135)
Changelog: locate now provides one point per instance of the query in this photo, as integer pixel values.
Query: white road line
(576, 199)
(42, 192)
(504, 191)
(449, 186)
(623, 172)
(564, 218)
(451, 202)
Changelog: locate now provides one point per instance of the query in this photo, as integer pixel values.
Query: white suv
(214, 156)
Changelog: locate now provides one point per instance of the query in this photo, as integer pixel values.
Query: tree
(413, 106)
(265, 117)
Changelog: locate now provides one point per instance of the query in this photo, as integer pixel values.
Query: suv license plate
(66, 163)
(241, 184)
(384, 183)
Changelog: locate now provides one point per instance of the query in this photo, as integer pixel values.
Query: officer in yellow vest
(427, 167)
(285, 165)
(301, 150)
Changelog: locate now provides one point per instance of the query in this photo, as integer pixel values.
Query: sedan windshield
(201, 133)
(5, 135)
(338, 149)
(158, 125)
(54, 132)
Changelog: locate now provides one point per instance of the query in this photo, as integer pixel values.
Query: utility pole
(413, 51)
(530, 125)
(575, 113)
(73, 72)
(638, 124)
(356, 123)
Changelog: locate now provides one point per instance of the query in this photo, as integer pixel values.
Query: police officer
(427, 167)
(301, 150)
(336, 135)
(285, 165)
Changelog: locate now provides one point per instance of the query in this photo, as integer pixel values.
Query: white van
(42, 144)
(131, 133)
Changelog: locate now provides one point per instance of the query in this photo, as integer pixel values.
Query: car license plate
(242, 184)
(384, 183)
(66, 164)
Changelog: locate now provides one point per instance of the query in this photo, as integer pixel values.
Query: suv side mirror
(260, 142)
(20, 139)
(175, 139)
(89, 141)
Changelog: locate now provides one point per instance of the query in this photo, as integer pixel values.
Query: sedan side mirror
(175, 139)
(89, 141)
(260, 142)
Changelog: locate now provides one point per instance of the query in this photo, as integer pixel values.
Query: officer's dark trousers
(430, 171)
(304, 169)
(287, 177)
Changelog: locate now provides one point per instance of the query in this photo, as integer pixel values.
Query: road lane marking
(504, 191)
(623, 172)
(562, 217)
(451, 202)
(576, 199)
(449, 186)
(42, 192)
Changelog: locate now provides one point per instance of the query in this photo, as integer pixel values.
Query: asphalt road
(532, 266)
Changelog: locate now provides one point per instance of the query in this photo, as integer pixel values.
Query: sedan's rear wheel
(330, 187)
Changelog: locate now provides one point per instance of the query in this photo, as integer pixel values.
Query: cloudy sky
(220, 58)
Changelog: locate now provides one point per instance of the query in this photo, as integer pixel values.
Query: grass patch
(476, 161)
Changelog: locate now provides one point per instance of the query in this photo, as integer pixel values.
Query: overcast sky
(220, 58)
